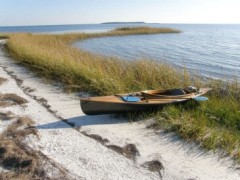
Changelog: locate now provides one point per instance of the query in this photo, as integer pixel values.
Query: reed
(52, 57)
(214, 124)
(144, 30)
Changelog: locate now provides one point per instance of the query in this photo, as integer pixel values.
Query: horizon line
(133, 22)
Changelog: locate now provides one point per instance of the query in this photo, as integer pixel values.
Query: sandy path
(87, 158)
(82, 156)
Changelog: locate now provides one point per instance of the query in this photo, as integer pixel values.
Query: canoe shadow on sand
(80, 121)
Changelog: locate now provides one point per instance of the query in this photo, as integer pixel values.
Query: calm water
(63, 28)
(209, 50)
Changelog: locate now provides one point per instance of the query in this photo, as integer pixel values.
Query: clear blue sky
(44, 12)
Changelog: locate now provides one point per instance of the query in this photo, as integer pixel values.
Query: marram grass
(214, 124)
(53, 57)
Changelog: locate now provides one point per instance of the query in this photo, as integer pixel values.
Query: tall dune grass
(53, 57)
(215, 124)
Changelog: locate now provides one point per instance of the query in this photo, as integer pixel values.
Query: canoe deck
(173, 94)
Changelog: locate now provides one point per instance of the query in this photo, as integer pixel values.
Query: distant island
(139, 22)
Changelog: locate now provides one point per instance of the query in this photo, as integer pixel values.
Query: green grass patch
(214, 124)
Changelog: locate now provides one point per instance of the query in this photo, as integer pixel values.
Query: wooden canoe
(174, 93)
(117, 104)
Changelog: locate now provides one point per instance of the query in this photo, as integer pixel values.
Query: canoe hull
(97, 107)
(118, 104)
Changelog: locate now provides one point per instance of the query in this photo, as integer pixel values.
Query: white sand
(86, 158)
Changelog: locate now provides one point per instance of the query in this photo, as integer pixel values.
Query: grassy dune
(53, 57)
(214, 124)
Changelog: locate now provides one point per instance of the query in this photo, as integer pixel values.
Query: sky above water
(51, 12)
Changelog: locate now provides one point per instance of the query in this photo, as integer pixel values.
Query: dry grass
(13, 154)
(6, 116)
(154, 166)
(2, 80)
(130, 150)
(20, 161)
(98, 138)
(18, 135)
(10, 99)
(145, 30)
